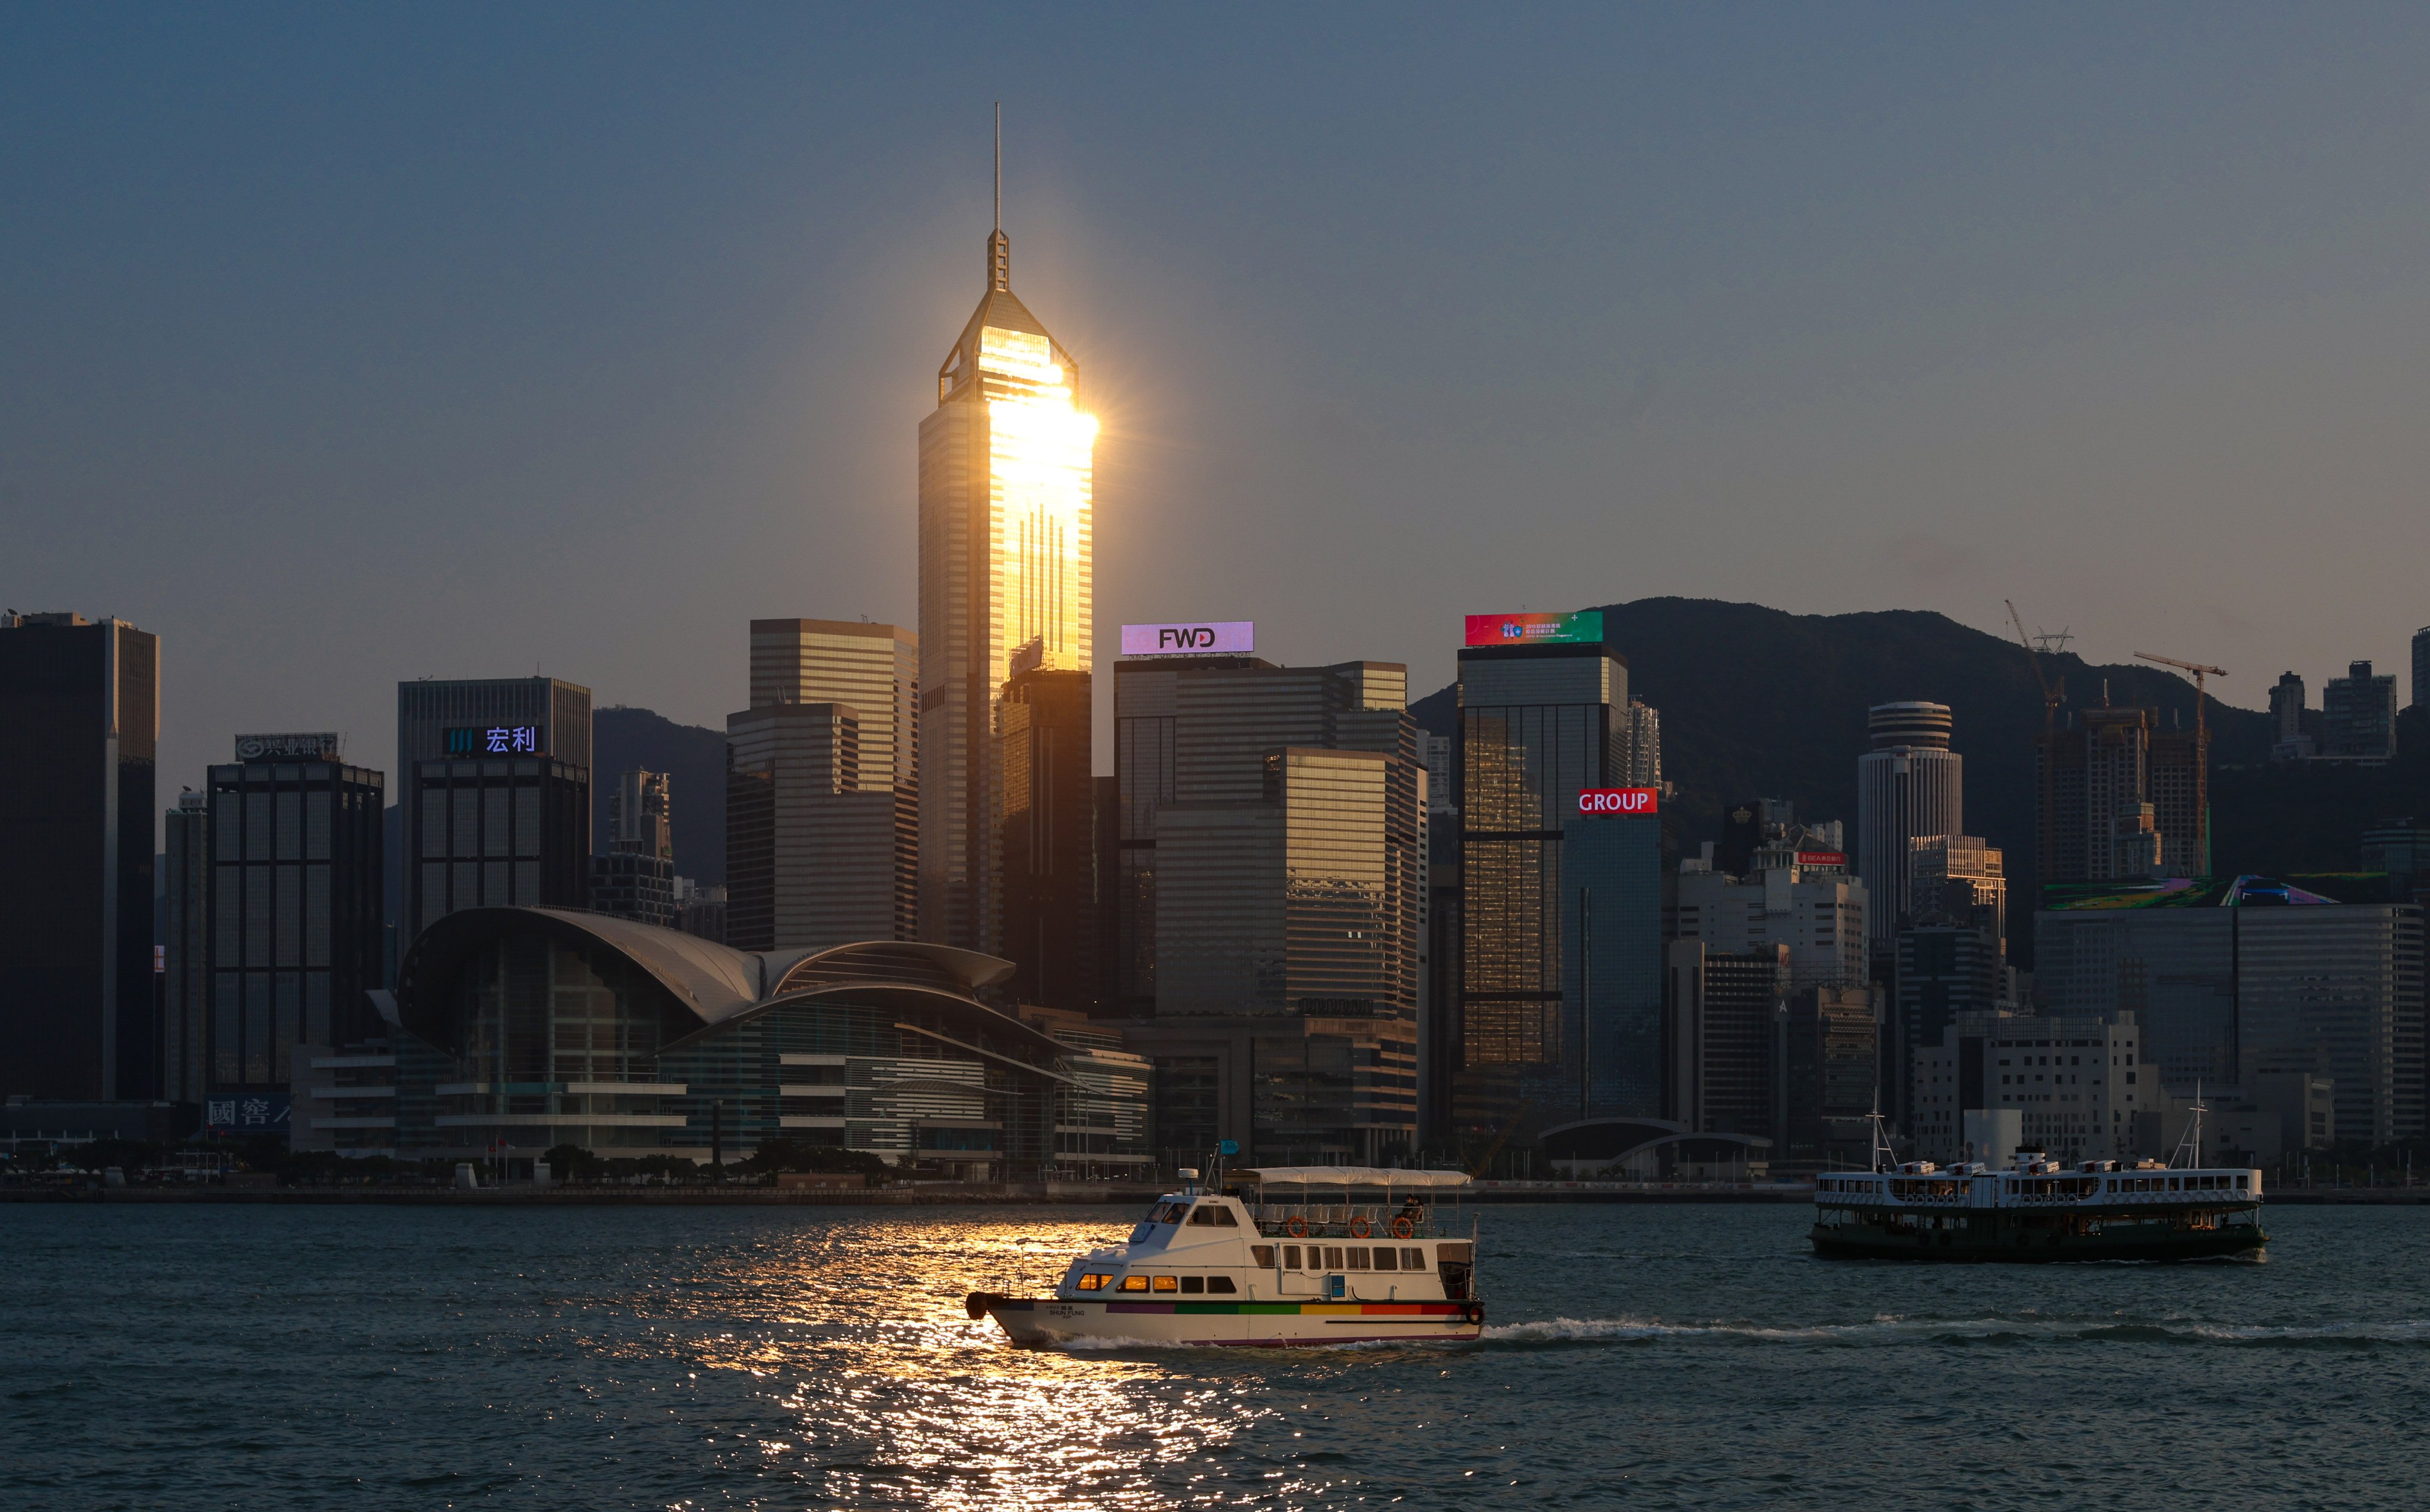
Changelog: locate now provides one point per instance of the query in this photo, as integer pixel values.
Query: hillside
(1758, 703)
(626, 739)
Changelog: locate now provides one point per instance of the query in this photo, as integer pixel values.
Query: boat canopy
(1347, 1177)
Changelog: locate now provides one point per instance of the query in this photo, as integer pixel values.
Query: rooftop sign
(495, 740)
(1582, 628)
(318, 746)
(1216, 638)
(1619, 801)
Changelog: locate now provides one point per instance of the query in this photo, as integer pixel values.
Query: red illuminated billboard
(1822, 858)
(1601, 800)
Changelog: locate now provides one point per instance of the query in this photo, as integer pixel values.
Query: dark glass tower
(80, 725)
(1049, 840)
(498, 718)
(295, 929)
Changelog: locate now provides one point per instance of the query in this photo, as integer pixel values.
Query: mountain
(627, 739)
(1758, 703)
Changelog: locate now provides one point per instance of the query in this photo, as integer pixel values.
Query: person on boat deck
(1414, 1211)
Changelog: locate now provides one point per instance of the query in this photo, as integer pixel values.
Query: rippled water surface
(230, 1356)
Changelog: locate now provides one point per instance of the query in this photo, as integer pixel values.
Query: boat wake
(1893, 1331)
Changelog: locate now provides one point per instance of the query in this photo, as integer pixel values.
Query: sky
(345, 345)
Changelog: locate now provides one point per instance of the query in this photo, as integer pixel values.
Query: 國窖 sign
(1189, 639)
(1618, 800)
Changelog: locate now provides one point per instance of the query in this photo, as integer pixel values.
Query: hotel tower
(1004, 464)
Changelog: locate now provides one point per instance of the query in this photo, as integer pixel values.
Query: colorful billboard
(1219, 638)
(1619, 801)
(1584, 627)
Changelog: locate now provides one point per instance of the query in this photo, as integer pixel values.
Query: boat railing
(1350, 1220)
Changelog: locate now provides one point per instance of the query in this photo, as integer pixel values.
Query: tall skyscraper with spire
(1006, 461)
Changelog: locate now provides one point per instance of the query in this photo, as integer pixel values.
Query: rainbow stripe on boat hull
(1046, 1323)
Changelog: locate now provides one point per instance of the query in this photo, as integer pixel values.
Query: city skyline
(467, 467)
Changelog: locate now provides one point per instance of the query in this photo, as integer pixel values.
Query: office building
(79, 727)
(2237, 980)
(1048, 841)
(1312, 1088)
(874, 669)
(493, 832)
(1829, 1058)
(811, 858)
(2291, 725)
(1948, 965)
(185, 948)
(1958, 877)
(1196, 733)
(499, 721)
(1645, 765)
(2071, 1081)
(636, 879)
(2358, 716)
(1911, 786)
(1006, 466)
(527, 1028)
(1611, 970)
(1543, 717)
(1803, 899)
(700, 910)
(1723, 1014)
(2400, 848)
(2421, 668)
(296, 934)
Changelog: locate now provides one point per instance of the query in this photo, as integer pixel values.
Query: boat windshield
(1160, 1213)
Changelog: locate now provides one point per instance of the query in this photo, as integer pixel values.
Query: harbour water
(376, 1358)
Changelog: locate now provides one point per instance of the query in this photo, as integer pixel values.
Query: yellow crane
(2202, 746)
(2052, 697)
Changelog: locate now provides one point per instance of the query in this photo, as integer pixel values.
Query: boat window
(1261, 1255)
(1213, 1215)
(1167, 1283)
(1387, 1259)
(1412, 1259)
(1291, 1257)
(1095, 1281)
(1167, 1212)
(1357, 1258)
(1191, 1284)
(1331, 1257)
(1132, 1284)
(1222, 1285)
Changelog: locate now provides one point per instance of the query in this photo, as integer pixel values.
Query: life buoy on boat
(1401, 1227)
(1295, 1226)
(1360, 1228)
(1477, 1312)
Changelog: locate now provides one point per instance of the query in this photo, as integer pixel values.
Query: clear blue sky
(346, 344)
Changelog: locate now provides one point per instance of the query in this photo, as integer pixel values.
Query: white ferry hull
(1054, 1323)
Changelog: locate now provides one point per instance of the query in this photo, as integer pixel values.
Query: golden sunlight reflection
(879, 1390)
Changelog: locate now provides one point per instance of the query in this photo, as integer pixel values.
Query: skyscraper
(1049, 842)
(2359, 716)
(1544, 716)
(79, 725)
(874, 669)
(810, 853)
(2421, 668)
(459, 726)
(295, 918)
(1005, 464)
(1909, 786)
(185, 939)
(636, 878)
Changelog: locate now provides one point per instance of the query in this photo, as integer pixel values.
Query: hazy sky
(346, 344)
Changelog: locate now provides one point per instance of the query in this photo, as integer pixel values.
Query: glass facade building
(295, 933)
(813, 857)
(872, 670)
(1537, 724)
(1910, 787)
(497, 717)
(1049, 840)
(1611, 973)
(79, 729)
(1007, 462)
(185, 948)
(636, 879)
(498, 832)
(1722, 1013)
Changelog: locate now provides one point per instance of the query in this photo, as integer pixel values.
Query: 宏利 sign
(494, 739)
(1189, 639)
(318, 746)
(1585, 627)
(1618, 800)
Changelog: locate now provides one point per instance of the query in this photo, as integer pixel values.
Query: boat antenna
(1884, 1156)
(2188, 1151)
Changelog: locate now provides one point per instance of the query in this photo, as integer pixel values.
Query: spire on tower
(999, 246)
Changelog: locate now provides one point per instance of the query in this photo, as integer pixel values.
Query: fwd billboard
(1602, 801)
(1219, 638)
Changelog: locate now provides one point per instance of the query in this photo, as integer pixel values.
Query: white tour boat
(1311, 1255)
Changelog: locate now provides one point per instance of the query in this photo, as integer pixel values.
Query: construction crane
(2052, 697)
(2202, 749)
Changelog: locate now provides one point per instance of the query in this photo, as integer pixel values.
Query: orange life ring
(1360, 1228)
(1401, 1227)
(1296, 1227)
